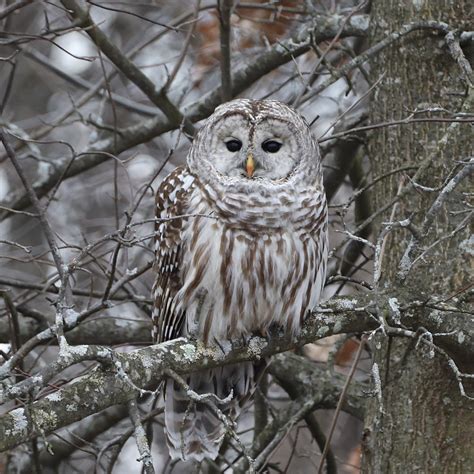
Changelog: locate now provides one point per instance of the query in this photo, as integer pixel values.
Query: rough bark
(422, 424)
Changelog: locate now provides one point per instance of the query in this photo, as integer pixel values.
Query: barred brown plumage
(249, 252)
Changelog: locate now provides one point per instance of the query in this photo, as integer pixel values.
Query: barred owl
(250, 251)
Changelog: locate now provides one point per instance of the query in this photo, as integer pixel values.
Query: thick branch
(108, 331)
(115, 331)
(144, 368)
(14, 6)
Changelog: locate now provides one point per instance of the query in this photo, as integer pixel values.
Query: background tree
(100, 100)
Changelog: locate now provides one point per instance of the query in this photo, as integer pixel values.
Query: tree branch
(310, 387)
(322, 28)
(225, 10)
(127, 67)
(99, 331)
(131, 373)
(14, 6)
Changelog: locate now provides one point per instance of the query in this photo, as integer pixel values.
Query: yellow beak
(249, 165)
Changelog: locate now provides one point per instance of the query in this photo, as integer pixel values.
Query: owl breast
(249, 265)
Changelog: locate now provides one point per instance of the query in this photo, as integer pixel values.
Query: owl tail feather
(193, 430)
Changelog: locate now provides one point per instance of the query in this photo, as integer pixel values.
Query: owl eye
(271, 146)
(233, 145)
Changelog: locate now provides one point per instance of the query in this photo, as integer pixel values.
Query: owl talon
(275, 330)
(221, 346)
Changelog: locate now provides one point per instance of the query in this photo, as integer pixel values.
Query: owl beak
(249, 165)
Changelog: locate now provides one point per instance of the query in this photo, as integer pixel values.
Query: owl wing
(171, 202)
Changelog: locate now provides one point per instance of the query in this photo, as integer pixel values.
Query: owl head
(255, 143)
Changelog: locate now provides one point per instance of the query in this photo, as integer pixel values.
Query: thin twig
(184, 49)
(321, 440)
(48, 231)
(65, 294)
(140, 437)
(409, 28)
(407, 121)
(129, 69)
(407, 260)
(339, 405)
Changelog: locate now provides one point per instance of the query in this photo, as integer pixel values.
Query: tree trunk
(419, 422)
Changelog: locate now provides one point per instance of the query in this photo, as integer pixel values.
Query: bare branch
(322, 28)
(141, 438)
(339, 407)
(13, 7)
(458, 55)
(406, 262)
(184, 50)
(48, 231)
(132, 373)
(225, 10)
(84, 84)
(435, 26)
(310, 387)
(132, 72)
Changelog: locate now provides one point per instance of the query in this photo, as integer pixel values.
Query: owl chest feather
(249, 264)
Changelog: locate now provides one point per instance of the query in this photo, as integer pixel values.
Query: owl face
(253, 141)
(242, 149)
